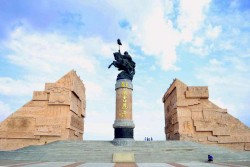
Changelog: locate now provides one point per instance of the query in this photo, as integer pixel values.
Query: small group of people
(148, 139)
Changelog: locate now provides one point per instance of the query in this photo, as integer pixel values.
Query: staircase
(145, 152)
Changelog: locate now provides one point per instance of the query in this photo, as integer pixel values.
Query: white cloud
(159, 39)
(229, 86)
(238, 63)
(48, 56)
(198, 47)
(192, 15)
(198, 41)
(50, 52)
(215, 62)
(154, 29)
(213, 32)
(93, 90)
(226, 45)
(200, 51)
(169, 6)
(204, 45)
(13, 87)
(158, 28)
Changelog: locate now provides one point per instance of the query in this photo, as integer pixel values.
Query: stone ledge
(123, 123)
(123, 141)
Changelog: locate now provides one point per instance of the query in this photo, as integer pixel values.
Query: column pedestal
(123, 125)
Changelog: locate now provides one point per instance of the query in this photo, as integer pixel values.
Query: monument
(190, 116)
(123, 125)
(56, 113)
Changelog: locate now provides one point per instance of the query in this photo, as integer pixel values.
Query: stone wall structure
(57, 113)
(190, 116)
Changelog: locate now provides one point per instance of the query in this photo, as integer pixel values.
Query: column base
(123, 141)
(124, 132)
(124, 129)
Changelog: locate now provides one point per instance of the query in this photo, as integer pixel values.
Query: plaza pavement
(5, 163)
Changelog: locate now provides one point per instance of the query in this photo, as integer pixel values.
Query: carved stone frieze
(54, 114)
(195, 118)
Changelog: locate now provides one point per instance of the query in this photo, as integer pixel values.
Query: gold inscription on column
(123, 113)
(124, 84)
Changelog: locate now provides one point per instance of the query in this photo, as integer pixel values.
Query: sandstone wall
(190, 116)
(54, 114)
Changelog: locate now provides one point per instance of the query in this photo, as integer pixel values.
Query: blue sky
(201, 42)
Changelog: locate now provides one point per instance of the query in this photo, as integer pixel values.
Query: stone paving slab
(82, 164)
(123, 157)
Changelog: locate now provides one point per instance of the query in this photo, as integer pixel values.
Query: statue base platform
(123, 125)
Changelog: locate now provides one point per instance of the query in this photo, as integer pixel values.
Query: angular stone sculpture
(54, 114)
(190, 116)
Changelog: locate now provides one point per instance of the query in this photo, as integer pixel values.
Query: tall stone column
(123, 125)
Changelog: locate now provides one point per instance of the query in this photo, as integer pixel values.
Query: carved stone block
(37, 104)
(201, 119)
(197, 92)
(202, 139)
(20, 124)
(247, 146)
(59, 96)
(48, 130)
(40, 95)
(76, 105)
(48, 86)
(48, 121)
(212, 115)
(221, 131)
(78, 89)
(188, 102)
(186, 126)
(234, 139)
(20, 135)
(170, 129)
(203, 126)
(197, 115)
(75, 123)
(235, 146)
(184, 112)
(212, 138)
(174, 119)
(176, 128)
(48, 117)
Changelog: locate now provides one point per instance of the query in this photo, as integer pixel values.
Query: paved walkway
(82, 164)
